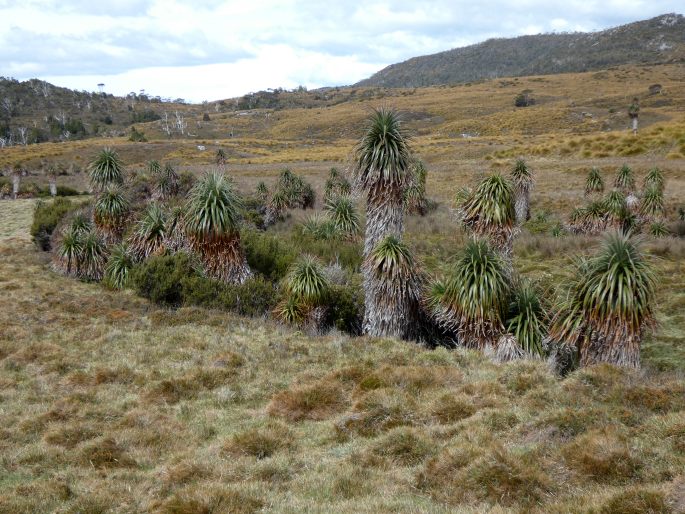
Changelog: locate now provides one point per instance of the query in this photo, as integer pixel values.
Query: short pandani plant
(594, 184)
(306, 291)
(211, 223)
(609, 305)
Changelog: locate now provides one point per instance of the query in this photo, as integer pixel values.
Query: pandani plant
(472, 303)
(306, 289)
(654, 179)
(594, 182)
(625, 179)
(111, 213)
(343, 215)
(93, 257)
(490, 212)
(415, 193)
(106, 169)
(211, 222)
(118, 268)
(522, 180)
(609, 304)
(526, 324)
(149, 235)
(652, 204)
(382, 160)
(396, 290)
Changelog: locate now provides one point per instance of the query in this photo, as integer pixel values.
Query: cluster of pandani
(601, 314)
(624, 207)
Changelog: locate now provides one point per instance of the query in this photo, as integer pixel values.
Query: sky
(210, 50)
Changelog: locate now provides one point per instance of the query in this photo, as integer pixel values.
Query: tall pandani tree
(382, 165)
(472, 303)
(609, 305)
(110, 213)
(149, 235)
(489, 212)
(594, 184)
(211, 221)
(522, 179)
(395, 291)
(106, 169)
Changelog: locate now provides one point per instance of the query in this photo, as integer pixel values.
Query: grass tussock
(308, 402)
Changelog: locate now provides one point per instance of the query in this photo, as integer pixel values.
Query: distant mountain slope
(35, 111)
(660, 39)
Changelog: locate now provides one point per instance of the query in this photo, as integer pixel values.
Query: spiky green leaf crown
(491, 204)
(212, 209)
(306, 280)
(106, 169)
(383, 154)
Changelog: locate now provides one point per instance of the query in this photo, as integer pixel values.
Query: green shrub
(254, 297)
(345, 308)
(347, 253)
(268, 254)
(173, 280)
(46, 217)
(160, 279)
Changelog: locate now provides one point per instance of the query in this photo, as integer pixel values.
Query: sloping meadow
(108, 404)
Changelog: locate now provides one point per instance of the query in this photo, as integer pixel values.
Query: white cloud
(216, 48)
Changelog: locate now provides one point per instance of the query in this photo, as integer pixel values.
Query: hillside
(35, 111)
(657, 40)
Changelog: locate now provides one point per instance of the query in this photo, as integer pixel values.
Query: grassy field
(111, 404)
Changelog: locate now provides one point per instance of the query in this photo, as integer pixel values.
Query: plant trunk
(522, 206)
(53, 187)
(16, 181)
(596, 348)
(223, 258)
(384, 216)
(391, 304)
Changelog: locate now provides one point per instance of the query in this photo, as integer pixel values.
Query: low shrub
(46, 217)
(345, 308)
(174, 280)
(346, 253)
(268, 254)
(159, 279)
